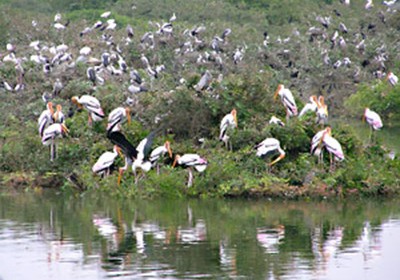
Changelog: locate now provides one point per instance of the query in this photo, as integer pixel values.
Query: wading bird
(275, 120)
(322, 112)
(92, 105)
(58, 116)
(228, 123)
(333, 147)
(158, 153)
(45, 118)
(267, 146)
(392, 78)
(287, 100)
(188, 161)
(56, 130)
(103, 165)
(373, 119)
(117, 116)
(311, 106)
(317, 145)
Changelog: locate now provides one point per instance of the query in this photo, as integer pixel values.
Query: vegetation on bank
(188, 116)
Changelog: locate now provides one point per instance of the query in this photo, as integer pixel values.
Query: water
(50, 236)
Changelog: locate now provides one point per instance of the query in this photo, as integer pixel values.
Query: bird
(275, 120)
(128, 150)
(104, 163)
(228, 123)
(55, 130)
(58, 116)
(317, 144)
(45, 118)
(287, 100)
(158, 153)
(92, 105)
(373, 119)
(392, 78)
(188, 161)
(311, 106)
(117, 116)
(143, 151)
(322, 112)
(267, 146)
(204, 81)
(57, 87)
(93, 77)
(333, 147)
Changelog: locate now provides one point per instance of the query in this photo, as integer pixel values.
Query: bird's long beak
(64, 128)
(121, 171)
(128, 115)
(119, 152)
(176, 159)
(169, 149)
(277, 92)
(281, 156)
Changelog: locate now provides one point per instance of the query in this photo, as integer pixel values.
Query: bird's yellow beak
(281, 156)
(176, 159)
(167, 145)
(128, 115)
(64, 128)
(277, 91)
(119, 151)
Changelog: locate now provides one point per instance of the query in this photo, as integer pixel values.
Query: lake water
(53, 236)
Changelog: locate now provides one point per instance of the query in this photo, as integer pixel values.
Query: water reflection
(54, 237)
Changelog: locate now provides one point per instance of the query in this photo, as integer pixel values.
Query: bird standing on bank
(373, 119)
(188, 161)
(158, 153)
(55, 130)
(228, 123)
(287, 100)
(103, 165)
(270, 145)
(45, 118)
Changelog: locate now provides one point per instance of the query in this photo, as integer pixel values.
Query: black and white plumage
(104, 163)
(57, 87)
(45, 118)
(311, 106)
(287, 100)
(50, 134)
(373, 119)
(92, 105)
(333, 147)
(270, 145)
(190, 161)
(228, 123)
(275, 120)
(204, 82)
(317, 145)
(117, 116)
(392, 78)
(160, 152)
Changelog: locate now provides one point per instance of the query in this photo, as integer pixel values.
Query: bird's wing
(117, 138)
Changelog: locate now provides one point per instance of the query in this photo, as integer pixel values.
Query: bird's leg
(190, 181)
(52, 151)
(331, 162)
(287, 116)
(158, 169)
(90, 120)
(121, 172)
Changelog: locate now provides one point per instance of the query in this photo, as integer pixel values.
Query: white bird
(105, 14)
(333, 147)
(228, 123)
(392, 78)
(45, 118)
(317, 144)
(204, 81)
(92, 105)
(103, 165)
(369, 4)
(85, 50)
(311, 106)
(117, 116)
(275, 120)
(188, 161)
(287, 100)
(373, 119)
(158, 153)
(270, 145)
(50, 134)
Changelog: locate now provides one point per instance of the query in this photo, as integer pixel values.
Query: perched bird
(45, 118)
(392, 78)
(188, 161)
(128, 150)
(55, 130)
(311, 106)
(373, 119)
(287, 100)
(117, 116)
(267, 146)
(158, 153)
(204, 81)
(322, 112)
(92, 105)
(317, 144)
(57, 87)
(58, 116)
(104, 163)
(275, 120)
(228, 123)
(333, 147)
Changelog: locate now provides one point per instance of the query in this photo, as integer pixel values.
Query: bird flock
(112, 63)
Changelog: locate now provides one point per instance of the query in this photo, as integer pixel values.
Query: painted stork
(58, 116)
(322, 112)
(55, 130)
(92, 105)
(188, 161)
(228, 123)
(158, 153)
(317, 144)
(117, 116)
(142, 160)
(267, 146)
(333, 147)
(373, 119)
(103, 165)
(45, 118)
(392, 78)
(311, 106)
(287, 100)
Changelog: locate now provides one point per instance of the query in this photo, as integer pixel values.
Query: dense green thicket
(188, 115)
